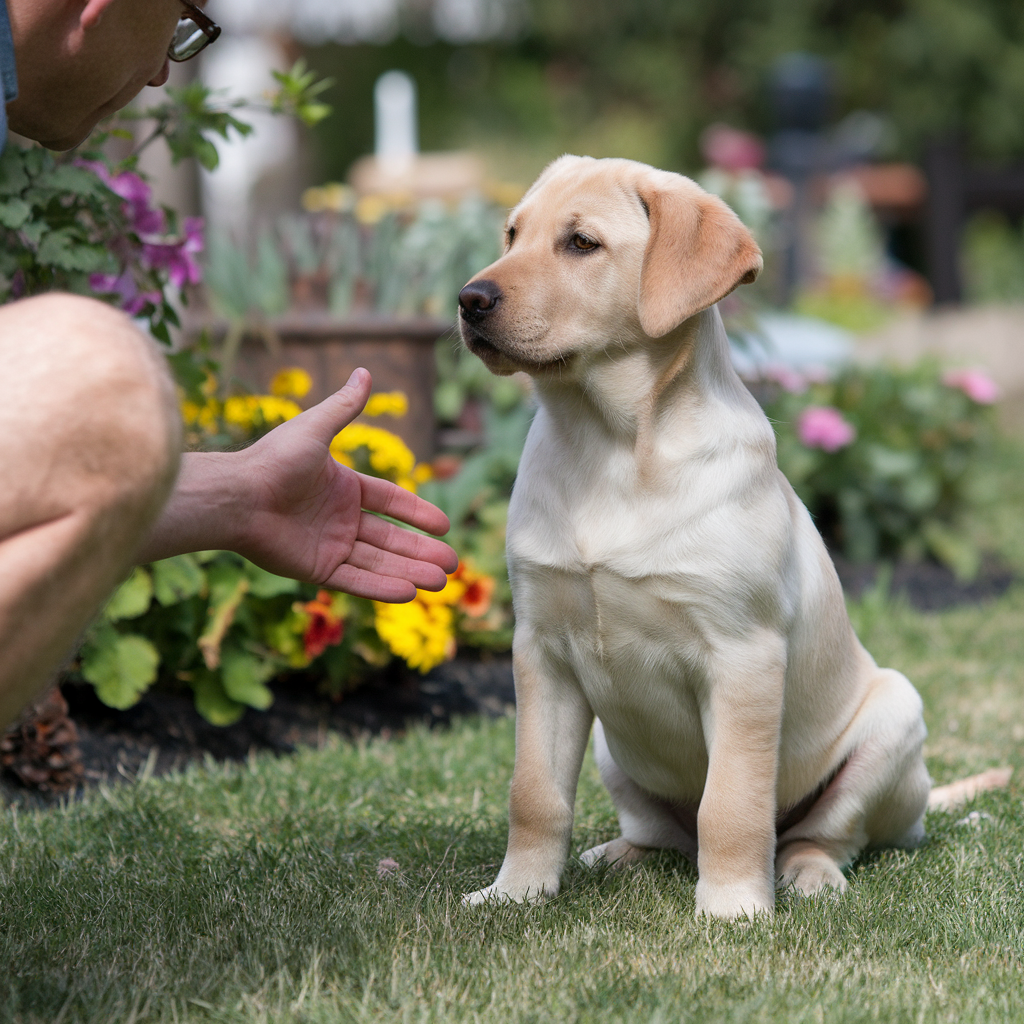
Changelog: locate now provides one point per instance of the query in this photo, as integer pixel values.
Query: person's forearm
(206, 509)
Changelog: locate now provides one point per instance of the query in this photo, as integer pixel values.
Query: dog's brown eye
(582, 242)
(510, 236)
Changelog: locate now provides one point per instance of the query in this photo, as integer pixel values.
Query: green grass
(250, 893)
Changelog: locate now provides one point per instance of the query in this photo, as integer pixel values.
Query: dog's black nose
(478, 299)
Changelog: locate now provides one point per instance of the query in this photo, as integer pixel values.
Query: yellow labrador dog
(666, 578)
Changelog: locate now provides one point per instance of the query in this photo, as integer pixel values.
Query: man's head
(80, 60)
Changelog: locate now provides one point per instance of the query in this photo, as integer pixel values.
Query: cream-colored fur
(666, 578)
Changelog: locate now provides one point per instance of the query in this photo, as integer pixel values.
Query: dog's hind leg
(647, 823)
(877, 799)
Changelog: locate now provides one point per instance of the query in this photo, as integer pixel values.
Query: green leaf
(64, 248)
(13, 178)
(265, 584)
(313, 113)
(132, 598)
(228, 586)
(79, 181)
(34, 230)
(243, 676)
(14, 213)
(206, 153)
(212, 702)
(121, 667)
(177, 579)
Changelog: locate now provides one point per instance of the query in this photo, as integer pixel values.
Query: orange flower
(325, 627)
(476, 600)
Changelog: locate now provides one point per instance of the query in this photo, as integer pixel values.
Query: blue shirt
(8, 74)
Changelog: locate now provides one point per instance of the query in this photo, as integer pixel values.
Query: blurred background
(871, 146)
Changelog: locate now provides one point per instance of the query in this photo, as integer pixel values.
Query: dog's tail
(948, 798)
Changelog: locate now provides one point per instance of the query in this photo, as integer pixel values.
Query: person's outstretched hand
(287, 505)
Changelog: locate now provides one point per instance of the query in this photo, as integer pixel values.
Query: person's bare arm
(287, 505)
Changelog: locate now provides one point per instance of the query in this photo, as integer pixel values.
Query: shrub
(883, 457)
(218, 624)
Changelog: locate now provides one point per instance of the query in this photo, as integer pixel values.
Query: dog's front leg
(553, 722)
(736, 821)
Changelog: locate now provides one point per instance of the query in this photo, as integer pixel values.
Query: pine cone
(41, 747)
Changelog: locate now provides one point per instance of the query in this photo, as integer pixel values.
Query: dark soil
(928, 586)
(166, 728)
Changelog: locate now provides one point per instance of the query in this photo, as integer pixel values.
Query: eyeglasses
(195, 32)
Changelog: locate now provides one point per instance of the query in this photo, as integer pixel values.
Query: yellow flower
(422, 473)
(190, 413)
(292, 382)
(241, 411)
(420, 633)
(249, 412)
(451, 594)
(333, 197)
(388, 454)
(370, 209)
(390, 403)
(276, 410)
(202, 416)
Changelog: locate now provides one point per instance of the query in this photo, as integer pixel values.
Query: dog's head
(602, 253)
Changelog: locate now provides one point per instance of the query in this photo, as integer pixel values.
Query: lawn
(251, 892)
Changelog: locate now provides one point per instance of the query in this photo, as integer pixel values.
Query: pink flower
(731, 149)
(975, 384)
(821, 426)
(787, 379)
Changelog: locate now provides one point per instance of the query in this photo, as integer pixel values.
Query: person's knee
(88, 400)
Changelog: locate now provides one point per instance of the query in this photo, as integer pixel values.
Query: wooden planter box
(398, 352)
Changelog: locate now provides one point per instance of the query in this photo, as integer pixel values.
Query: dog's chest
(627, 591)
(637, 657)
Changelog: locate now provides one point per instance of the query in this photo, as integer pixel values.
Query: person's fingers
(362, 583)
(327, 418)
(388, 537)
(391, 500)
(424, 575)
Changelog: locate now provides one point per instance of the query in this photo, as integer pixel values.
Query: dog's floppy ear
(698, 252)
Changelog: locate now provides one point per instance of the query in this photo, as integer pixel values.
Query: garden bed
(164, 732)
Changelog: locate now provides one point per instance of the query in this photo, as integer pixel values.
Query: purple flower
(124, 286)
(975, 384)
(177, 256)
(821, 426)
(136, 193)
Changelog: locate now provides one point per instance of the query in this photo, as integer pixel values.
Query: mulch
(165, 732)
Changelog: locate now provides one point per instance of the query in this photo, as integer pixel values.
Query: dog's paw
(813, 878)
(618, 854)
(505, 894)
(734, 901)
(809, 870)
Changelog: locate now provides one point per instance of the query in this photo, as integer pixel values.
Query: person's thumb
(338, 410)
